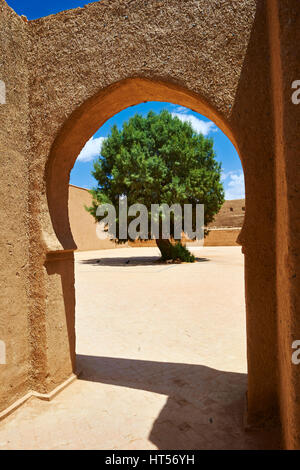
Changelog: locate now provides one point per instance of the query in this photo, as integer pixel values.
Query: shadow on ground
(205, 407)
(130, 261)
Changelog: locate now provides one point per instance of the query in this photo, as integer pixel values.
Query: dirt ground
(161, 358)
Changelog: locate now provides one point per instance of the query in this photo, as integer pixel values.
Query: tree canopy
(158, 159)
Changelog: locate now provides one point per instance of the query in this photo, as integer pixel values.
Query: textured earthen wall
(14, 239)
(82, 224)
(284, 23)
(221, 237)
(232, 60)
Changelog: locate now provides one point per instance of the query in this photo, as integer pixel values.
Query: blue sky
(34, 9)
(233, 178)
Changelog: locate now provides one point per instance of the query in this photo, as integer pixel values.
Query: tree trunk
(165, 247)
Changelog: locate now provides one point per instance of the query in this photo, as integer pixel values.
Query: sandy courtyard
(161, 355)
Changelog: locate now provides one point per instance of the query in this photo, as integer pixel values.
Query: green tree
(155, 160)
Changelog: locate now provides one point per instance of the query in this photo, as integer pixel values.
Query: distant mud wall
(83, 227)
(82, 224)
(219, 237)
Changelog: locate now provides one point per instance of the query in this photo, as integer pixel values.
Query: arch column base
(54, 358)
(41, 396)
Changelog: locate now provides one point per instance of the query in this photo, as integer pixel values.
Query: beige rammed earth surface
(162, 355)
(233, 61)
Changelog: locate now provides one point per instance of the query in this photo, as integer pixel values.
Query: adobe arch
(88, 118)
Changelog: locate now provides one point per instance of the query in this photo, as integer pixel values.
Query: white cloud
(234, 185)
(180, 109)
(203, 127)
(91, 149)
(224, 175)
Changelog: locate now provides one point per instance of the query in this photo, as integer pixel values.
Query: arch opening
(84, 123)
(110, 356)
